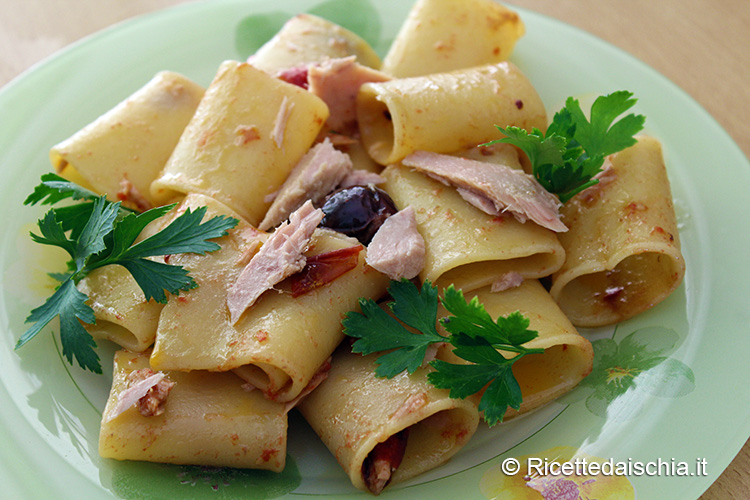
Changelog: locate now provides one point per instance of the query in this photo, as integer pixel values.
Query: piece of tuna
(383, 460)
(359, 177)
(507, 281)
(279, 124)
(147, 389)
(397, 249)
(131, 197)
(506, 188)
(337, 82)
(317, 173)
(280, 256)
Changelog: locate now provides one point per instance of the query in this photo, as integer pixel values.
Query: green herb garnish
(566, 158)
(475, 336)
(98, 233)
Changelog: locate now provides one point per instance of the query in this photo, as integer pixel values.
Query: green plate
(669, 385)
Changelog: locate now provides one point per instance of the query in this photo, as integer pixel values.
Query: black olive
(358, 211)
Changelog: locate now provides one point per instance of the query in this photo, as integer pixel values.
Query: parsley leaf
(185, 234)
(479, 339)
(91, 239)
(476, 338)
(379, 331)
(566, 158)
(70, 305)
(97, 233)
(54, 188)
(489, 367)
(601, 136)
(471, 319)
(155, 278)
(53, 234)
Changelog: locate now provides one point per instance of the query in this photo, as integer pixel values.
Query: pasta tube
(353, 411)
(567, 358)
(462, 241)
(209, 419)
(280, 343)
(308, 39)
(123, 315)
(124, 150)
(445, 35)
(623, 248)
(249, 131)
(445, 112)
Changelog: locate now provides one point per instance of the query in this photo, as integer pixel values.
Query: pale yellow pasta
(249, 131)
(281, 341)
(132, 142)
(360, 159)
(445, 112)
(308, 39)
(231, 147)
(123, 315)
(567, 356)
(623, 248)
(353, 410)
(445, 35)
(209, 419)
(461, 240)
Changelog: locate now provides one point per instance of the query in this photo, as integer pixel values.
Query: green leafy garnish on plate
(566, 158)
(98, 233)
(489, 346)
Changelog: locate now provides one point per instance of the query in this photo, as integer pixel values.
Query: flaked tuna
(147, 389)
(359, 177)
(279, 124)
(485, 185)
(280, 256)
(337, 82)
(397, 249)
(317, 173)
(507, 281)
(383, 460)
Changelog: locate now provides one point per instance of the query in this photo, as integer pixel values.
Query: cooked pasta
(122, 152)
(438, 426)
(209, 419)
(445, 112)
(567, 356)
(623, 246)
(282, 341)
(123, 315)
(463, 241)
(445, 35)
(247, 134)
(209, 376)
(306, 39)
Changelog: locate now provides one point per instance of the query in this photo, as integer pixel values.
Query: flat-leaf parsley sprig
(566, 158)
(474, 335)
(98, 233)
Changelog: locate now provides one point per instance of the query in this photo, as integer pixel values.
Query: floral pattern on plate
(530, 485)
(638, 365)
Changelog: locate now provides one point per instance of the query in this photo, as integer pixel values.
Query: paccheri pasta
(259, 327)
(623, 246)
